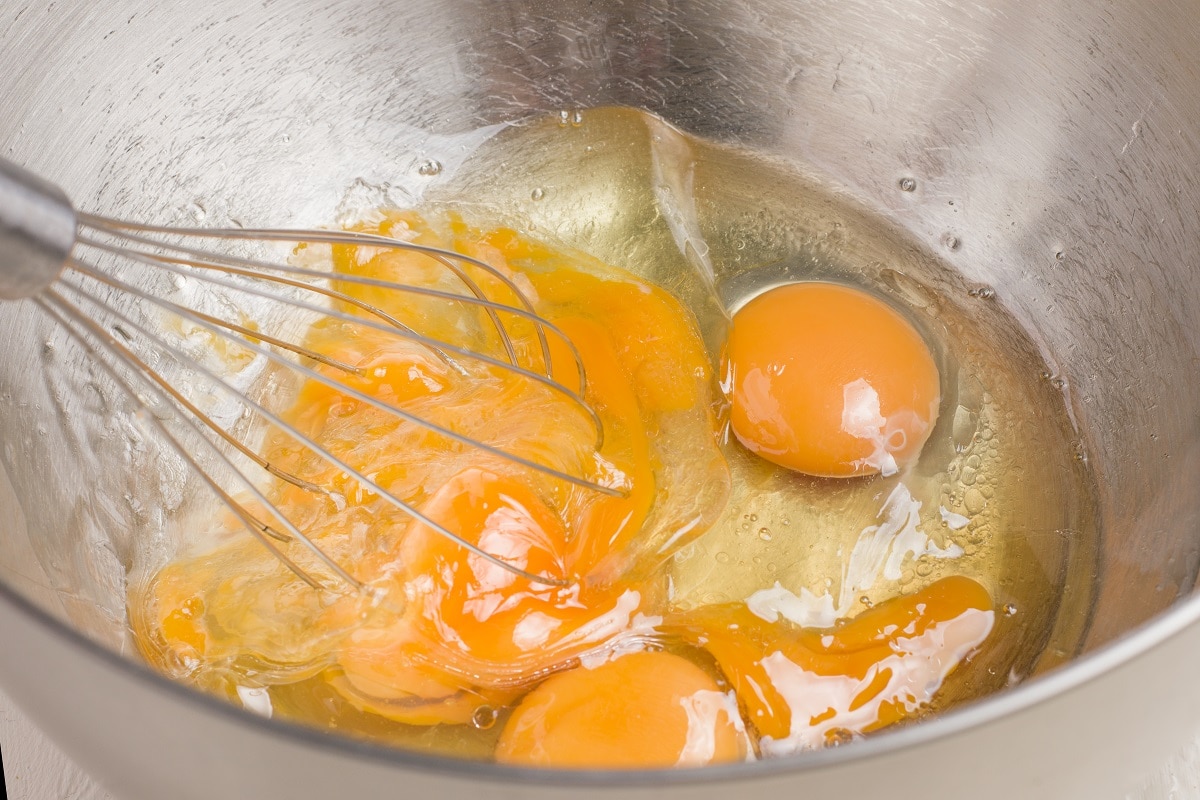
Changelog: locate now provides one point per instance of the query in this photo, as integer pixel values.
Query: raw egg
(805, 688)
(590, 665)
(829, 380)
(648, 709)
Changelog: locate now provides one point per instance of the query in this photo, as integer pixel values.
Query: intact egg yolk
(643, 710)
(830, 381)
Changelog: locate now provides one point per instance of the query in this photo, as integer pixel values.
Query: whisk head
(200, 420)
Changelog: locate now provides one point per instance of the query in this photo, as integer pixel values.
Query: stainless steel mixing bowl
(1065, 133)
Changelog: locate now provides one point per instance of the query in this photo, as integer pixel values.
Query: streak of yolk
(607, 524)
(804, 688)
(181, 626)
(643, 710)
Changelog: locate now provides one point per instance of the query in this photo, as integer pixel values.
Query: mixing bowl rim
(1071, 676)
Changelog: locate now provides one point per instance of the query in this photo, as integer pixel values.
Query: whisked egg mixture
(848, 496)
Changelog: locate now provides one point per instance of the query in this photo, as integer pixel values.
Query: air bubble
(576, 119)
(484, 717)
(1010, 609)
(537, 194)
(836, 737)
(951, 242)
(764, 534)
(429, 168)
(982, 292)
(723, 557)
(866, 601)
(908, 184)
(1059, 255)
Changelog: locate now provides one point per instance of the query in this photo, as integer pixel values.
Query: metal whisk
(45, 246)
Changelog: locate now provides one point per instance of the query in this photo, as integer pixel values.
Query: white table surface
(35, 769)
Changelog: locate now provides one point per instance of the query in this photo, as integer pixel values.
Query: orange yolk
(473, 608)
(643, 710)
(474, 632)
(830, 381)
(806, 688)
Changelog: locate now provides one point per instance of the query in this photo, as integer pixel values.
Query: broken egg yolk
(798, 689)
(830, 381)
(803, 689)
(474, 630)
(641, 710)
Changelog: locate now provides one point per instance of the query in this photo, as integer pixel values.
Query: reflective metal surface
(37, 231)
(1049, 151)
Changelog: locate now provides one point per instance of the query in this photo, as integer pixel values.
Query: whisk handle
(37, 232)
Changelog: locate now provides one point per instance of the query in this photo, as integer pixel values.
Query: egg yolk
(474, 632)
(830, 381)
(642, 710)
(803, 689)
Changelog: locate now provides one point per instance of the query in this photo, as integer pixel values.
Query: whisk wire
(253, 270)
(60, 309)
(445, 257)
(307, 372)
(50, 244)
(289, 429)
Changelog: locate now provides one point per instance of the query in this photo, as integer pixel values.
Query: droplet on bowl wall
(966, 423)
